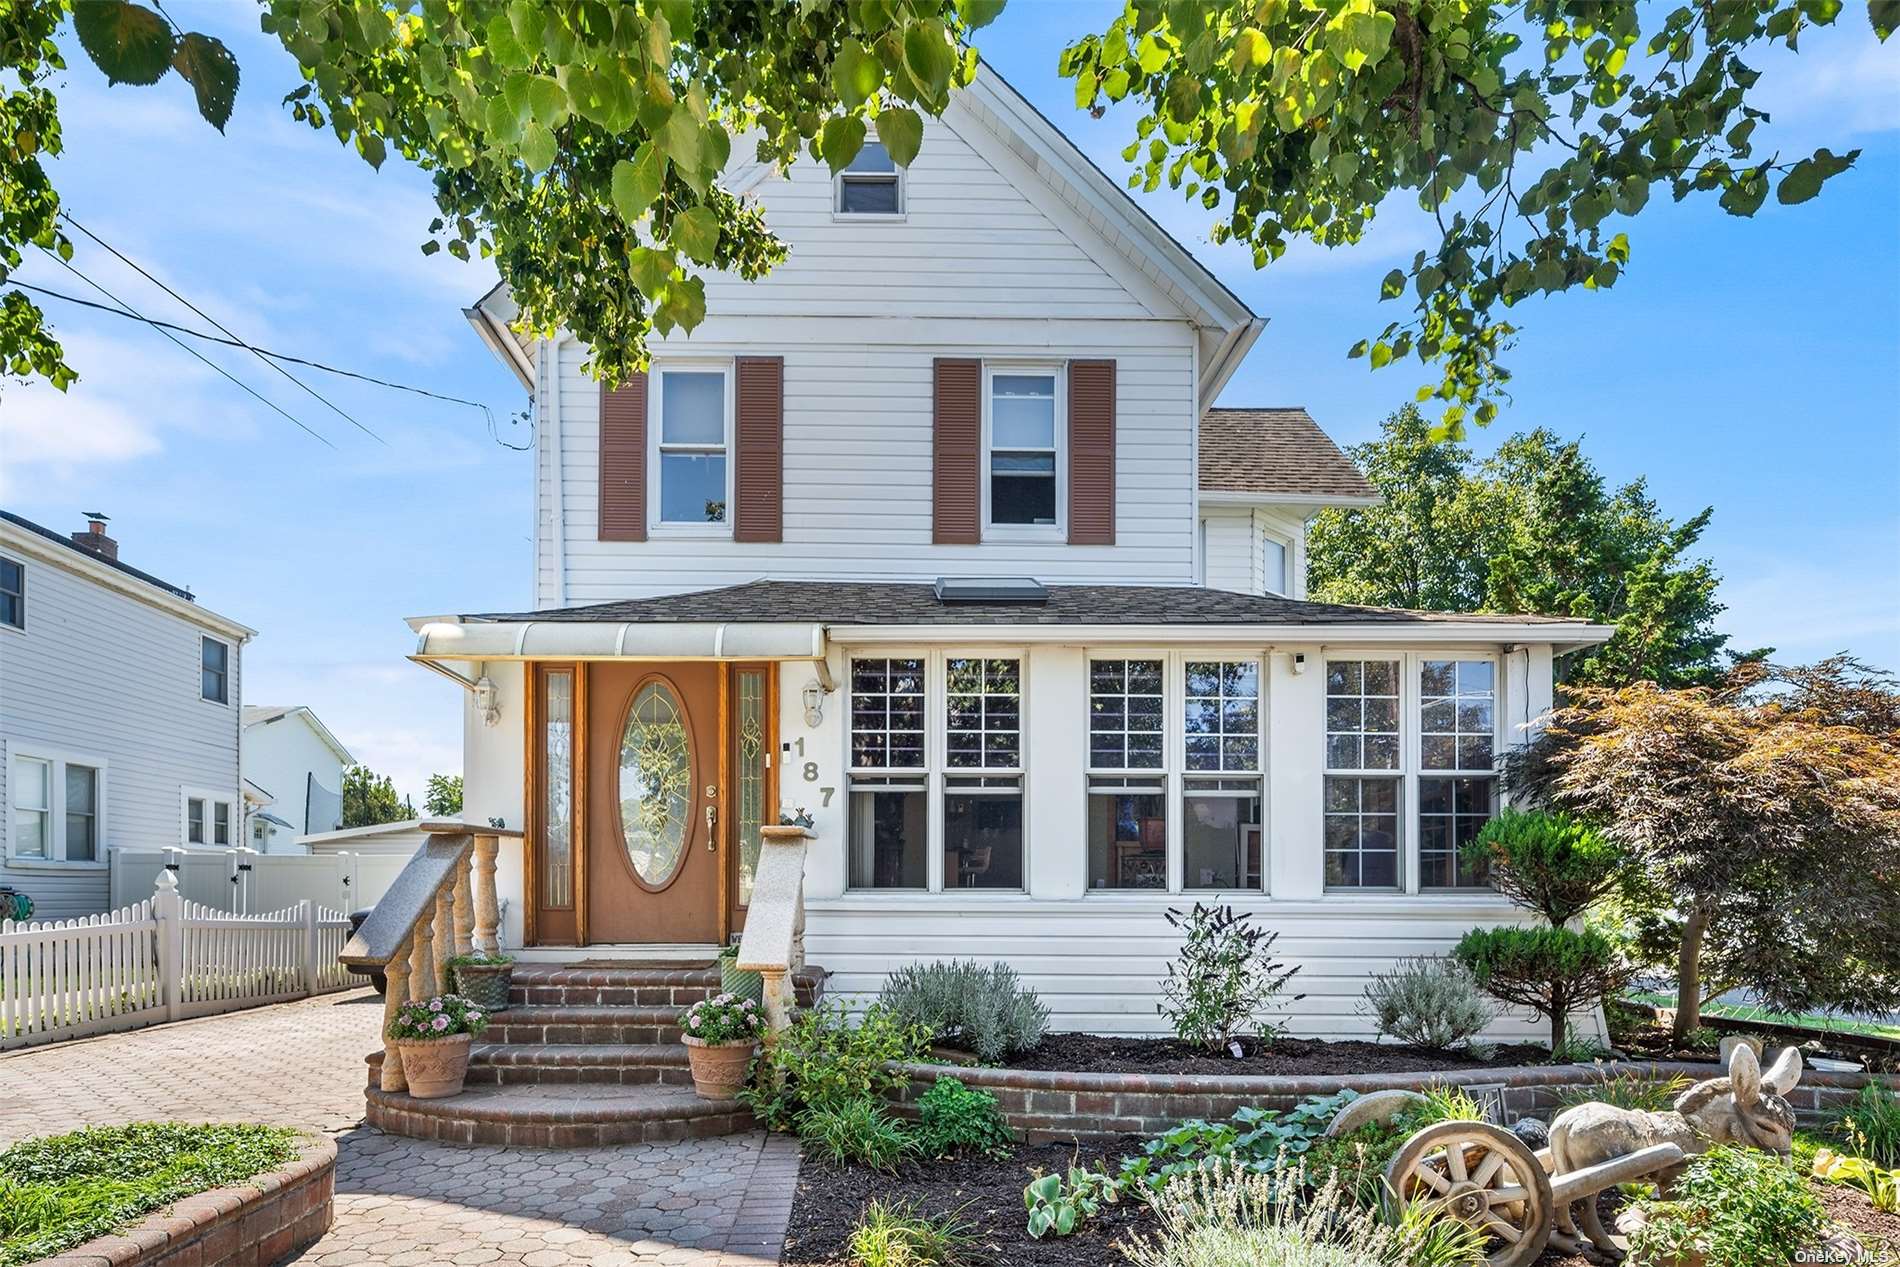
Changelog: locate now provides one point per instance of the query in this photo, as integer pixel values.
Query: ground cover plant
(1733, 1206)
(896, 1234)
(984, 1010)
(953, 1118)
(1223, 979)
(60, 1191)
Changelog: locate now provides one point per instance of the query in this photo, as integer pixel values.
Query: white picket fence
(166, 958)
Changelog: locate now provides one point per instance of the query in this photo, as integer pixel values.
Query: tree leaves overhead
(582, 145)
(129, 42)
(1523, 129)
(212, 73)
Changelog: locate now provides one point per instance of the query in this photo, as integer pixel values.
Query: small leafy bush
(986, 1010)
(1554, 971)
(1733, 1206)
(897, 1234)
(856, 1130)
(724, 1018)
(824, 1059)
(1429, 1002)
(953, 1118)
(1223, 979)
(1553, 864)
(1872, 1124)
(444, 1016)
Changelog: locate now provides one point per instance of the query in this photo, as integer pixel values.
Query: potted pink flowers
(433, 1037)
(721, 1034)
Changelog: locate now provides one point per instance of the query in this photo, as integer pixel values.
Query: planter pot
(719, 1069)
(485, 985)
(738, 983)
(434, 1067)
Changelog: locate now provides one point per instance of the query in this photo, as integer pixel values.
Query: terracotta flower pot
(434, 1067)
(719, 1069)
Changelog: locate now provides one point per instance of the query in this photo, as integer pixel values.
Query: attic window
(991, 589)
(871, 184)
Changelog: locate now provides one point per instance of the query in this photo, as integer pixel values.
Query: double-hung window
(207, 818)
(58, 808)
(871, 184)
(1457, 779)
(1024, 447)
(889, 778)
(983, 773)
(1127, 779)
(214, 670)
(12, 593)
(694, 438)
(1221, 825)
(1364, 774)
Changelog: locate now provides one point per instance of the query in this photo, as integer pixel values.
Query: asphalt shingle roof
(1280, 452)
(891, 603)
(61, 539)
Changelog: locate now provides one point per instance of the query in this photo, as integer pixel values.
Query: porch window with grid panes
(1127, 779)
(1457, 780)
(889, 776)
(1221, 828)
(1363, 782)
(983, 779)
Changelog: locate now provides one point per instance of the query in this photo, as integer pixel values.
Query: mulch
(1850, 1208)
(984, 1192)
(1089, 1053)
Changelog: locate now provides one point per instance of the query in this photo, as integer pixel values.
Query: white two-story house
(937, 534)
(118, 715)
(293, 776)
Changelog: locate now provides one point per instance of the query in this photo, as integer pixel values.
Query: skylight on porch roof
(991, 589)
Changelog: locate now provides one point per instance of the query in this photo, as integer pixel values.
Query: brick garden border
(256, 1223)
(1049, 1105)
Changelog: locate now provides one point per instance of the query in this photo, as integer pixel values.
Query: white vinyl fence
(162, 959)
(245, 882)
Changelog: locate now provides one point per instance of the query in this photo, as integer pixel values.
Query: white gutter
(449, 639)
(1567, 634)
(1228, 497)
(1226, 360)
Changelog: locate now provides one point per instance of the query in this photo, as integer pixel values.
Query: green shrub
(896, 1234)
(1060, 1204)
(953, 1118)
(856, 1130)
(1733, 1206)
(1223, 978)
(824, 1060)
(1429, 1002)
(986, 1010)
(1872, 1124)
(60, 1191)
(1626, 1091)
(1554, 971)
(1553, 864)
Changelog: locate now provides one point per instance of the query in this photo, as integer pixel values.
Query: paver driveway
(696, 1203)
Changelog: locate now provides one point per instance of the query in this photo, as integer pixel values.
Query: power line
(131, 312)
(226, 330)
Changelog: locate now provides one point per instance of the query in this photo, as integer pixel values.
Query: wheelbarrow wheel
(1481, 1175)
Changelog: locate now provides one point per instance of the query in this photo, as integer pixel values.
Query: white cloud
(1842, 83)
(1815, 607)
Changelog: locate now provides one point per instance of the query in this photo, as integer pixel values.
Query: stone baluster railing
(773, 944)
(441, 905)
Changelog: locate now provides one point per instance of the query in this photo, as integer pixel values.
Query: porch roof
(795, 619)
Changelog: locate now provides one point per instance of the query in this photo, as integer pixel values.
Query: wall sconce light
(487, 700)
(1299, 663)
(814, 697)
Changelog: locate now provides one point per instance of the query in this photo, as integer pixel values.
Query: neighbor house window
(1221, 827)
(889, 775)
(1363, 774)
(1127, 786)
(870, 184)
(214, 665)
(12, 593)
(1273, 566)
(983, 774)
(1024, 447)
(694, 435)
(1457, 781)
(58, 807)
(207, 818)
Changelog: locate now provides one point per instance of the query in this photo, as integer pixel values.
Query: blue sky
(1749, 365)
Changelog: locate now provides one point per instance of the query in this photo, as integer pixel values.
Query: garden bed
(1090, 1053)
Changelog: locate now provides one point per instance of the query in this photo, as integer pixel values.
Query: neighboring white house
(118, 715)
(293, 771)
(935, 533)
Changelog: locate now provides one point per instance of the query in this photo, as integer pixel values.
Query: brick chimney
(94, 538)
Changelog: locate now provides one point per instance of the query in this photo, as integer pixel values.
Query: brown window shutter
(759, 474)
(956, 447)
(1092, 453)
(623, 460)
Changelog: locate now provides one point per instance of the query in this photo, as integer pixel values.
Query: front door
(653, 756)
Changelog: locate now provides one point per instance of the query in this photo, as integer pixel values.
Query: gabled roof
(1279, 454)
(263, 714)
(123, 576)
(62, 539)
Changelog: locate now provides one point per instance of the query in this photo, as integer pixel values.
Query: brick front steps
(584, 1056)
(1046, 1105)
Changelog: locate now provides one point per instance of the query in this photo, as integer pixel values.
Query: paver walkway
(403, 1202)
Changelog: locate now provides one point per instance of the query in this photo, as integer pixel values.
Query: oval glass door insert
(656, 784)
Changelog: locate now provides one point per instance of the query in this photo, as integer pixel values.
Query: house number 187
(810, 772)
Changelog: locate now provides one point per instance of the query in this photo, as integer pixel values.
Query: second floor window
(1024, 447)
(12, 593)
(214, 676)
(694, 437)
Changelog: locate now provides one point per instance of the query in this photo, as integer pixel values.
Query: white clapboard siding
(1098, 966)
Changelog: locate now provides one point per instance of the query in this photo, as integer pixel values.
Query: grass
(895, 1234)
(63, 1190)
(1871, 1123)
(1626, 1091)
(1824, 1022)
